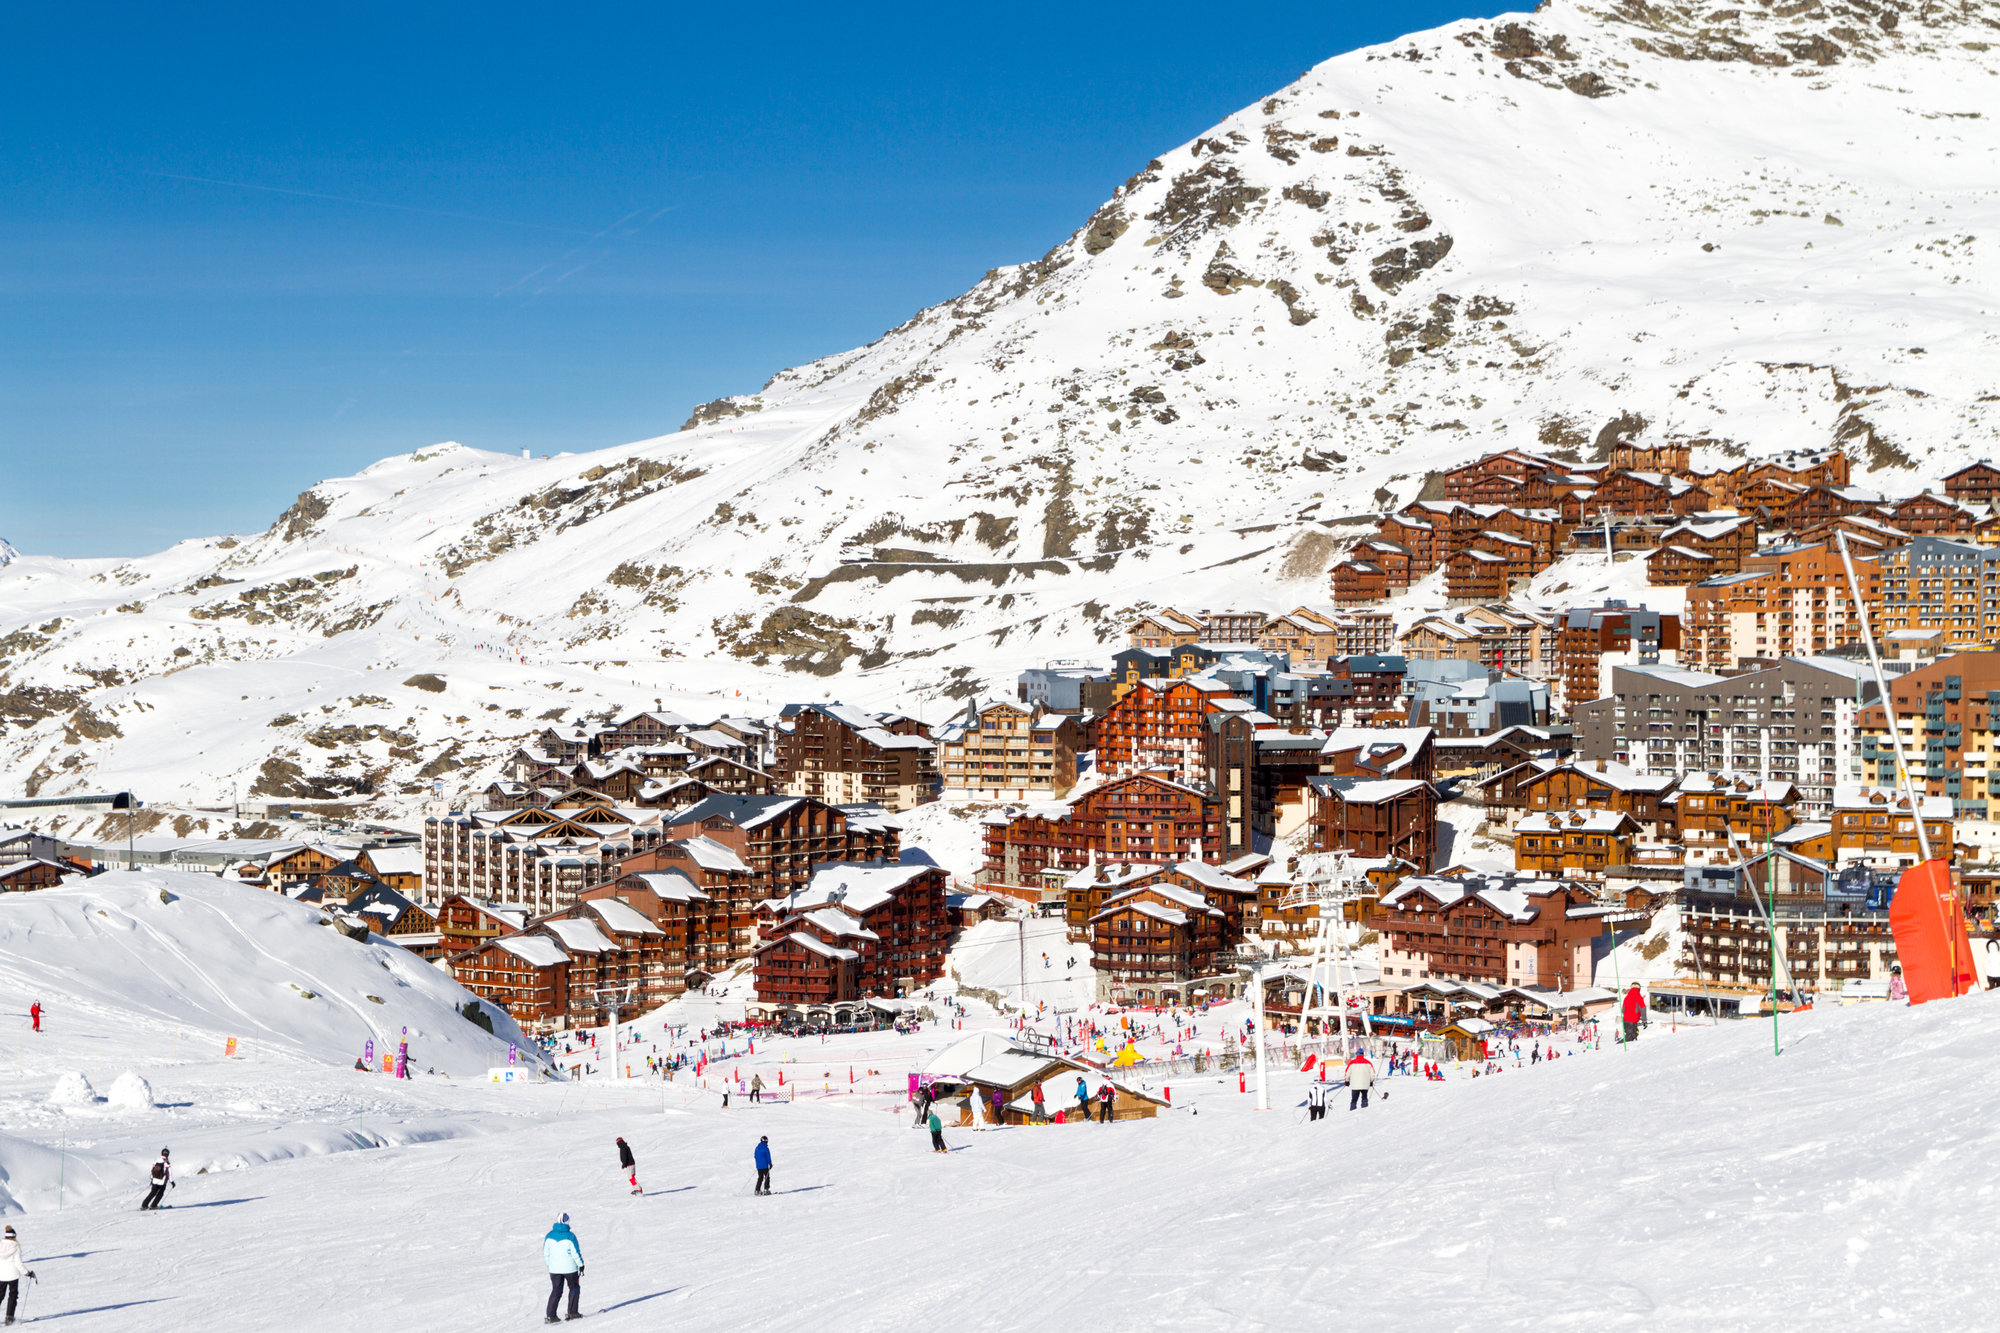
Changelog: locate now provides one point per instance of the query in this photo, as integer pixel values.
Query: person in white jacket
(11, 1272)
(564, 1257)
(1360, 1078)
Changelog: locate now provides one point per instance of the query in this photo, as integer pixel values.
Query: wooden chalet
(1927, 514)
(1582, 843)
(853, 932)
(527, 975)
(1150, 943)
(1975, 483)
(299, 866)
(733, 777)
(36, 872)
(1139, 818)
(1389, 818)
(1819, 503)
(1499, 930)
(1593, 785)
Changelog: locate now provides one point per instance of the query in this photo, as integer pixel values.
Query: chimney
(1600, 765)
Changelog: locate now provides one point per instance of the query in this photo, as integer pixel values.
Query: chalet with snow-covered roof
(467, 923)
(1975, 483)
(1139, 818)
(1374, 817)
(655, 728)
(527, 975)
(733, 777)
(1151, 942)
(853, 931)
(1499, 930)
(635, 961)
(1380, 752)
(1601, 784)
(36, 872)
(1580, 844)
(1693, 551)
(1927, 514)
(839, 754)
(1819, 503)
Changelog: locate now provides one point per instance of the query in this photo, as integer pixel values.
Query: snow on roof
(1366, 791)
(1215, 877)
(966, 1054)
(838, 923)
(397, 860)
(853, 887)
(582, 936)
(1855, 797)
(1109, 874)
(719, 740)
(1799, 833)
(1188, 898)
(622, 917)
(1622, 777)
(1013, 1068)
(1574, 821)
(813, 943)
(670, 884)
(712, 855)
(534, 950)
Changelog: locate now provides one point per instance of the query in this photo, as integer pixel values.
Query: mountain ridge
(1749, 230)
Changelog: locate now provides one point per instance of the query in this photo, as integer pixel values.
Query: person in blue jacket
(564, 1257)
(763, 1159)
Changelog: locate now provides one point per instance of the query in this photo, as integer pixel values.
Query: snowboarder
(757, 1088)
(163, 1180)
(627, 1164)
(1635, 1010)
(564, 1257)
(1360, 1077)
(35, 1015)
(11, 1271)
(763, 1159)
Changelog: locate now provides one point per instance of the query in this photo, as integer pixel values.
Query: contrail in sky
(410, 208)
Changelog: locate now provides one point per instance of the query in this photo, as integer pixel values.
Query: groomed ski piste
(1692, 1180)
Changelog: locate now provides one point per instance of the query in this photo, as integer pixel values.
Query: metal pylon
(1332, 972)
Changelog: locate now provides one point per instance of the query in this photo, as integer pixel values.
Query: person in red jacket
(35, 1014)
(1635, 1012)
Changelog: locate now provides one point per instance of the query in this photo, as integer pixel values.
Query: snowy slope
(164, 960)
(1691, 1182)
(1749, 229)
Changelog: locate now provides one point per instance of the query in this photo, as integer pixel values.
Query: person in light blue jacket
(564, 1257)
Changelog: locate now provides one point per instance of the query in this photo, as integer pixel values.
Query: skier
(757, 1088)
(1898, 988)
(1315, 1100)
(163, 1180)
(35, 1015)
(923, 1107)
(1104, 1096)
(1635, 1010)
(1360, 1077)
(564, 1257)
(629, 1166)
(763, 1159)
(937, 1132)
(11, 1271)
(1082, 1098)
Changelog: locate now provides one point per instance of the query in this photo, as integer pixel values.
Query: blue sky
(242, 249)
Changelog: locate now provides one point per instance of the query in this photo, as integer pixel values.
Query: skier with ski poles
(163, 1180)
(564, 1258)
(35, 1015)
(629, 1166)
(11, 1272)
(937, 1132)
(762, 1157)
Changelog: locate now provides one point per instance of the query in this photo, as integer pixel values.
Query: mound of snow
(131, 1093)
(212, 960)
(73, 1089)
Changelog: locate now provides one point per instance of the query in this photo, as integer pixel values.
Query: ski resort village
(1404, 729)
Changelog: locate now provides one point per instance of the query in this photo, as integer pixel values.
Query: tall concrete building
(1792, 720)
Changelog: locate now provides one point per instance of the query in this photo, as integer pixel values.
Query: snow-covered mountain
(1752, 229)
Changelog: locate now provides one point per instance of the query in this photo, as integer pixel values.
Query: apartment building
(841, 755)
(1592, 641)
(1936, 583)
(1003, 750)
(1789, 601)
(1794, 720)
(1949, 715)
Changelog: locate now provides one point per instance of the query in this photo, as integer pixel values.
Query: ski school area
(1692, 1179)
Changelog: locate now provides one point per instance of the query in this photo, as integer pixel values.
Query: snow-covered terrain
(1693, 1181)
(1752, 230)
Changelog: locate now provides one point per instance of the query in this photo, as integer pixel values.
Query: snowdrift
(212, 960)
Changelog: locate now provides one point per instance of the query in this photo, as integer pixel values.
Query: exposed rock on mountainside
(1555, 230)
